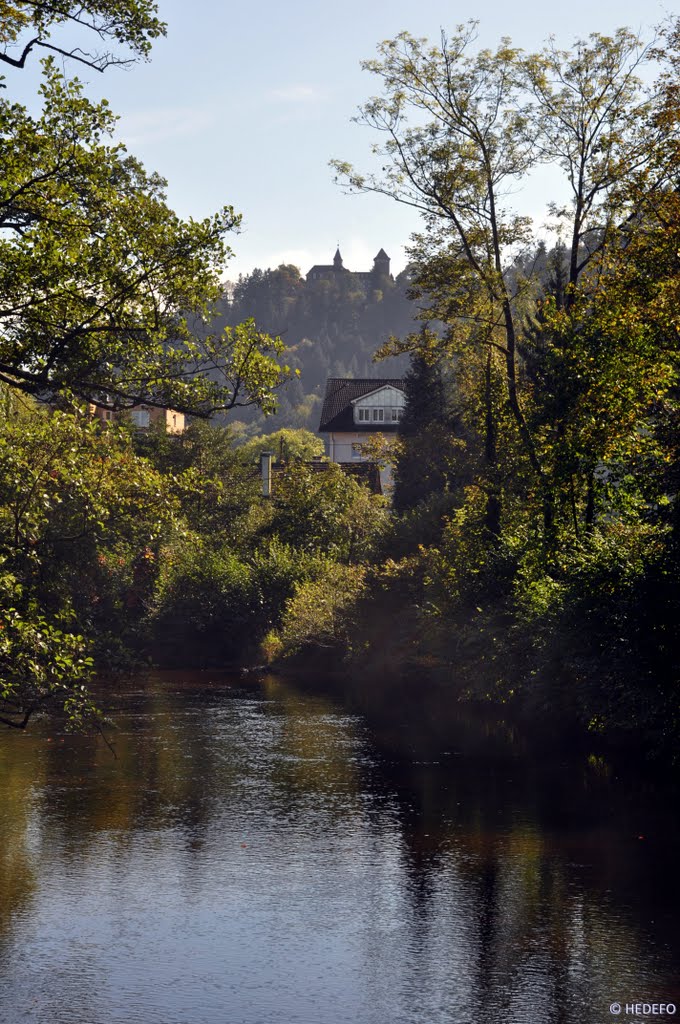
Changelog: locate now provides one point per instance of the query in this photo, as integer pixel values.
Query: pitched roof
(337, 412)
(327, 268)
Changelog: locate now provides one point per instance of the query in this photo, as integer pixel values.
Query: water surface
(257, 854)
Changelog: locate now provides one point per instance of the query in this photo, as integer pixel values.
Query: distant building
(355, 409)
(143, 417)
(330, 271)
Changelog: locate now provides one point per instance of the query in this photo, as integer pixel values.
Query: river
(257, 852)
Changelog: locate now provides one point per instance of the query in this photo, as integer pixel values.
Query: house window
(140, 417)
(378, 415)
(364, 415)
(397, 413)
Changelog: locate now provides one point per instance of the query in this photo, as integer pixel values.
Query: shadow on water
(256, 852)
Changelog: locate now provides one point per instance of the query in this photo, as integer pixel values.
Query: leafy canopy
(99, 278)
(26, 25)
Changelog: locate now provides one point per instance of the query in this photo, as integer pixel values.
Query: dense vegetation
(104, 548)
(531, 555)
(118, 546)
(536, 549)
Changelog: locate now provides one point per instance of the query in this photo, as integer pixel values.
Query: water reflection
(255, 853)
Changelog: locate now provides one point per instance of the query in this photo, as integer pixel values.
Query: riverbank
(561, 694)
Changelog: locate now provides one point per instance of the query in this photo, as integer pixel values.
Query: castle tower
(381, 264)
(337, 259)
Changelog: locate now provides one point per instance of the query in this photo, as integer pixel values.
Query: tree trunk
(492, 519)
(590, 502)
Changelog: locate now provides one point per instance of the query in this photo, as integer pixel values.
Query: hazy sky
(245, 103)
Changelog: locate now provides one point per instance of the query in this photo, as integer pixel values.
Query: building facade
(356, 409)
(330, 271)
(143, 417)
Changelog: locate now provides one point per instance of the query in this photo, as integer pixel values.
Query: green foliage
(460, 127)
(204, 602)
(319, 614)
(277, 569)
(98, 276)
(286, 444)
(420, 526)
(326, 510)
(42, 666)
(80, 520)
(430, 454)
(111, 542)
(542, 561)
(15, 405)
(217, 493)
(27, 25)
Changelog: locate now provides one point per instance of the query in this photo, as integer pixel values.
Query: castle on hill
(329, 271)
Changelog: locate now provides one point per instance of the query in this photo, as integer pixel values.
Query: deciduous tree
(462, 131)
(30, 25)
(99, 278)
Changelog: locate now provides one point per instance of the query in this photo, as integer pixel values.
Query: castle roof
(330, 268)
(337, 412)
(326, 269)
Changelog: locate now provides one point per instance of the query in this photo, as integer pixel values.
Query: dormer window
(379, 414)
(380, 408)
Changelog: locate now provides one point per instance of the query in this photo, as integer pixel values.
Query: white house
(356, 409)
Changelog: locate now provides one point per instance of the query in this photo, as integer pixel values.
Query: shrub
(319, 614)
(204, 604)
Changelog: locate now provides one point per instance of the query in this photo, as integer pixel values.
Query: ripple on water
(252, 858)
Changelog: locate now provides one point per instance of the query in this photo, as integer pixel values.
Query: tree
(27, 25)
(42, 667)
(592, 118)
(286, 444)
(80, 520)
(326, 511)
(456, 141)
(603, 354)
(429, 449)
(461, 131)
(101, 283)
(218, 494)
(319, 613)
(103, 293)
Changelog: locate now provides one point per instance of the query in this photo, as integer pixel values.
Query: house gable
(384, 406)
(346, 396)
(387, 394)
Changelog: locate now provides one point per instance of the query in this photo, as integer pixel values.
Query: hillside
(332, 325)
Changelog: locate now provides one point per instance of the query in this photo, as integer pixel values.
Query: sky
(245, 104)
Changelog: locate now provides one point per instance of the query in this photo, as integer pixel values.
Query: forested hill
(331, 327)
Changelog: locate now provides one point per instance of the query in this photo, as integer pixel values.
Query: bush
(319, 614)
(204, 605)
